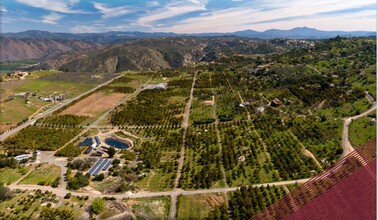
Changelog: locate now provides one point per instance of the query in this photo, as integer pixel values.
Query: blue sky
(185, 16)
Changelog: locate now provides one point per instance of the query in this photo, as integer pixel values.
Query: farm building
(21, 157)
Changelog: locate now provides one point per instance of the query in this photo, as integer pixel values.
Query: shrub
(98, 205)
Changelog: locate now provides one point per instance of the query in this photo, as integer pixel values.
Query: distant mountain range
(118, 36)
(118, 51)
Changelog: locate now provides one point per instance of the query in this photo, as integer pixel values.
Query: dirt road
(347, 146)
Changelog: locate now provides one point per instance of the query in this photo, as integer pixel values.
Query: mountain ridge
(118, 36)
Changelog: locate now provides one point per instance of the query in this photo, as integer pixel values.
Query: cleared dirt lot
(94, 104)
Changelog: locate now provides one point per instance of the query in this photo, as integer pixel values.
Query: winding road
(347, 146)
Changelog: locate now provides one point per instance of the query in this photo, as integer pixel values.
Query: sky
(186, 16)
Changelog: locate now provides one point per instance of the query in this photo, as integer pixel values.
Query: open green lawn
(17, 110)
(198, 206)
(362, 130)
(44, 174)
(150, 208)
(9, 176)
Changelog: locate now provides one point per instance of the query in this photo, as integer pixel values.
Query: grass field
(16, 110)
(150, 208)
(198, 206)
(9, 176)
(362, 130)
(44, 174)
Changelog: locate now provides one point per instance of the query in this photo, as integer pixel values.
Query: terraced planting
(44, 174)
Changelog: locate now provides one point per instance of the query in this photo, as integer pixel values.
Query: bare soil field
(94, 104)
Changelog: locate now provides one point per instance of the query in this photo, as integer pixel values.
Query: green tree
(111, 151)
(98, 205)
(5, 193)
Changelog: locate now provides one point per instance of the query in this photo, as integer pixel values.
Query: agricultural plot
(70, 150)
(248, 201)
(63, 120)
(40, 138)
(17, 110)
(150, 208)
(44, 174)
(203, 101)
(94, 105)
(155, 106)
(26, 204)
(322, 138)
(9, 176)
(202, 165)
(244, 156)
(198, 206)
(40, 84)
(159, 152)
(285, 151)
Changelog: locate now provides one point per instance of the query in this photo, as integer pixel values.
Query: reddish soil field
(94, 104)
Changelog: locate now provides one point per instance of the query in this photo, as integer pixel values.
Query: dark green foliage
(69, 120)
(219, 213)
(149, 154)
(128, 155)
(55, 214)
(152, 106)
(100, 177)
(120, 89)
(5, 193)
(8, 162)
(98, 205)
(111, 151)
(40, 138)
(248, 201)
(69, 151)
(77, 181)
(56, 182)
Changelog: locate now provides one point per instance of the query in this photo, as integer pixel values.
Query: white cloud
(111, 12)
(173, 9)
(257, 17)
(62, 6)
(152, 3)
(3, 9)
(52, 18)
(98, 28)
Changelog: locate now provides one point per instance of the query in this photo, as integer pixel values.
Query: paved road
(51, 110)
(176, 192)
(347, 146)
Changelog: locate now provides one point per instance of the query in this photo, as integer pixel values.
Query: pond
(116, 143)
